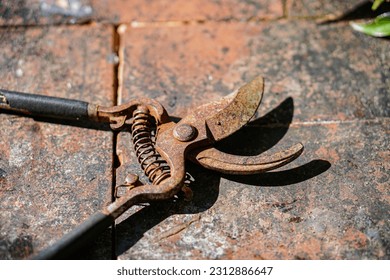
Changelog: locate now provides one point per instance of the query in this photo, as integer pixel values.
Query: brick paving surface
(332, 9)
(178, 10)
(48, 12)
(326, 86)
(53, 175)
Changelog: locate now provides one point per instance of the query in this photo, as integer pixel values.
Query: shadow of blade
(284, 178)
(261, 134)
(281, 115)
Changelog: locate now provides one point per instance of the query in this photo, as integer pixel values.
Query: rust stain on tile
(328, 154)
(355, 238)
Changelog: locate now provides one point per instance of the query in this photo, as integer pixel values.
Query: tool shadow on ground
(262, 134)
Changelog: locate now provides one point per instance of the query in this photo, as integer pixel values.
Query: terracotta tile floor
(326, 86)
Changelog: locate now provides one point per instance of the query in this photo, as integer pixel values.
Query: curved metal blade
(214, 159)
(239, 110)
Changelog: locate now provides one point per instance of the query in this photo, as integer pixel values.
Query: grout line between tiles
(116, 101)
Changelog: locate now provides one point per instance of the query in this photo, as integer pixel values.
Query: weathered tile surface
(307, 8)
(336, 96)
(332, 203)
(330, 80)
(330, 94)
(53, 175)
(38, 12)
(179, 10)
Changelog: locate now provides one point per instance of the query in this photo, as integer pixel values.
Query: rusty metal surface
(238, 112)
(217, 160)
(243, 105)
(53, 175)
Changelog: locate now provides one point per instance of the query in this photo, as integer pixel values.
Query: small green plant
(379, 27)
(376, 4)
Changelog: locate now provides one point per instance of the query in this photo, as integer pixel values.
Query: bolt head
(131, 179)
(185, 132)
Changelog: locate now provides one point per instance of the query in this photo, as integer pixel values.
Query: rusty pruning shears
(162, 146)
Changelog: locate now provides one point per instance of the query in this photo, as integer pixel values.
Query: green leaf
(379, 27)
(376, 4)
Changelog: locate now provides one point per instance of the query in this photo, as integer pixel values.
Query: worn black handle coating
(45, 106)
(75, 240)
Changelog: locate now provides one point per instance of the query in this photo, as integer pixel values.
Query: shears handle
(45, 106)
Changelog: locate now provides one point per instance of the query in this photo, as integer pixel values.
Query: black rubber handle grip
(45, 106)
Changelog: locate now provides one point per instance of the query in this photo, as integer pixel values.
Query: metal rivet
(131, 179)
(184, 132)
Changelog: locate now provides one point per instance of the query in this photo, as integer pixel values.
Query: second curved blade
(244, 165)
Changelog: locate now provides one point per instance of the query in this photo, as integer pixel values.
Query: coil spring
(153, 165)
